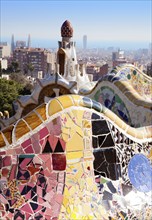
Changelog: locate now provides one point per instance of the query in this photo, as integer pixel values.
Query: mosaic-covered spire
(66, 29)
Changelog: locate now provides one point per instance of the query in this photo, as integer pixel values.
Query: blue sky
(102, 21)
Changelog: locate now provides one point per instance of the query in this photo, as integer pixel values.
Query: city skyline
(106, 23)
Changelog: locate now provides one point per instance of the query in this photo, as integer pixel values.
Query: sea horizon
(53, 43)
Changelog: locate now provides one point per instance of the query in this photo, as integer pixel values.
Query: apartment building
(5, 50)
(32, 60)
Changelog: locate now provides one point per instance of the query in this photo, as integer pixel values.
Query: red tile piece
(59, 161)
(29, 150)
(27, 208)
(7, 161)
(13, 172)
(5, 172)
(2, 152)
(36, 147)
(43, 132)
(26, 143)
(54, 126)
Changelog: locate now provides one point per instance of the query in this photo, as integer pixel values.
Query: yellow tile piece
(65, 201)
(65, 130)
(42, 111)
(65, 101)
(75, 143)
(90, 181)
(65, 137)
(54, 107)
(71, 115)
(74, 157)
(74, 215)
(33, 120)
(2, 142)
(69, 123)
(72, 191)
(79, 174)
(66, 191)
(79, 114)
(86, 124)
(79, 131)
(8, 133)
(21, 129)
(68, 210)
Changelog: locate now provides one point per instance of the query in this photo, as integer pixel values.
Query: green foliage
(9, 92)
(12, 68)
(11, 89)
(0, 69)
(27, 89)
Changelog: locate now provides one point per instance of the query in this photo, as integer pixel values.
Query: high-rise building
(12, 44)
(29, 41)
(85, 42)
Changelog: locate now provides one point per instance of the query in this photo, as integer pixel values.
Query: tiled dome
(66, 29)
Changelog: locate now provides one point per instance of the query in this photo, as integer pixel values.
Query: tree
(9, 92)
(0, 69)
(21, 79)
(15, 66)
(27, 89)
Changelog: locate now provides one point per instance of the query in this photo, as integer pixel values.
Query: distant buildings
(20, 43)
(33, 60)
(118, 58)
(4, 63)
(5, 50)
(104, 69)
(97, 70)
(5, 53)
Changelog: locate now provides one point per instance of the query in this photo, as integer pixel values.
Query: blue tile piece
(140, 173)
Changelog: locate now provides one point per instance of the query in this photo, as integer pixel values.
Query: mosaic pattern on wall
(139, 81)
(129, 112)
(80, 162)
(135, 104)
(113, 102)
